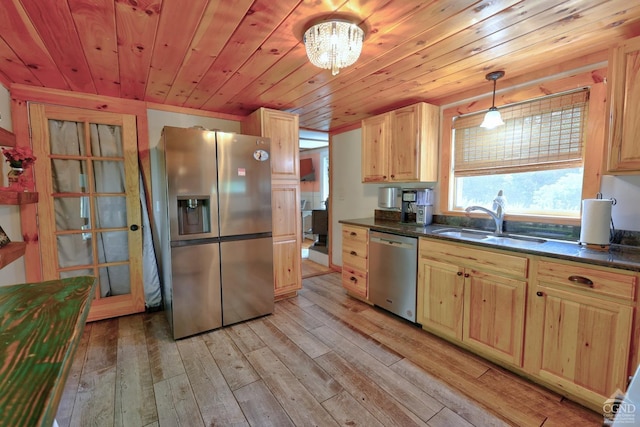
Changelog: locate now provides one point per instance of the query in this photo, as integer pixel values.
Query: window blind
(547, 133)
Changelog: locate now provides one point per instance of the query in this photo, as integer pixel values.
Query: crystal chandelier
(333, 44)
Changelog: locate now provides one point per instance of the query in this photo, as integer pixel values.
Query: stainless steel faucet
(499, 206)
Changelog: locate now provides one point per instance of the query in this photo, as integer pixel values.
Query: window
(536, 158)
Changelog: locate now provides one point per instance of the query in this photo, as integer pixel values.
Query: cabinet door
(585, 342)
(285, 201)
(375, 132)
(404, 151)
(494, 315)
(286, 267)
(282, 128)
(440, 291)
(624, 107)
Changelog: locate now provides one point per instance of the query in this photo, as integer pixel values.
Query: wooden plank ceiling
(235, 56)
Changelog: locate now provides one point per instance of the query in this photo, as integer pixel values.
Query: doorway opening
(314, 195)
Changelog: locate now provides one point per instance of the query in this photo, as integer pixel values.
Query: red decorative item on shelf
(19, 159)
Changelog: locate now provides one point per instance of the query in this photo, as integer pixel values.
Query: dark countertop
(616, 256)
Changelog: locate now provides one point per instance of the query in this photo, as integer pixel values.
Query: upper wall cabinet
(401, 145)
(624, 107)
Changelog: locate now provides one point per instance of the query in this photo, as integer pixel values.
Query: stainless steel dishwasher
(393, 265)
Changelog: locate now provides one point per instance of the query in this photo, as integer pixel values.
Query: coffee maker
(407, 207)
(424, 206)
(417, 206)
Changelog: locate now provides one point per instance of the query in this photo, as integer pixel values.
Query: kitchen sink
(503, 239)
(463, 233)
(510, 239)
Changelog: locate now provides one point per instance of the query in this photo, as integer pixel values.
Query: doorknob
(134, 227)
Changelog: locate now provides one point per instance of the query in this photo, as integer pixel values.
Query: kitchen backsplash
(537, 229)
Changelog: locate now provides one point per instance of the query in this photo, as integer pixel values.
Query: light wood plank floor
(321, 359)
(310, 269)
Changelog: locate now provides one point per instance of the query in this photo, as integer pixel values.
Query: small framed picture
(4, 239)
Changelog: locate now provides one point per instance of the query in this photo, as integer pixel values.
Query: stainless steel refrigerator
(215, 232)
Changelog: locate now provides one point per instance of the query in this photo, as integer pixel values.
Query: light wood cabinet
(355, 260)
(401, 145)
(474, 296)
(375, 140)
(623, 126)
(494, 308)
(282, 129)
(440, 297)
(581, 326)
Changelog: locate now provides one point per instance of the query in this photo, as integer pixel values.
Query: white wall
(9, 215)
(626, 191)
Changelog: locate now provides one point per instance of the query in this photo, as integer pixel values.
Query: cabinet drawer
(354, 258)
(354, 234)
(603, 282)
(354, 280)
(472, 257)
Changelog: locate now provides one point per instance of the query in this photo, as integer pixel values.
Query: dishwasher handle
(391, 242)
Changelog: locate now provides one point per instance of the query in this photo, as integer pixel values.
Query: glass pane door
(92, 208)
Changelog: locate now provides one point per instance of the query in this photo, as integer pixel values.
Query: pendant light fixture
(333, 44)
(493, 119)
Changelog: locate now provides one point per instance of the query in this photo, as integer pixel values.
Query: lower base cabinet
(473, 296)
(566, 325)
(287, 267)
(582, 319)
(355, 260)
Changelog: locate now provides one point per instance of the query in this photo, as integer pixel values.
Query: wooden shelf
(7, 139)
(18, 197)
(11, 252)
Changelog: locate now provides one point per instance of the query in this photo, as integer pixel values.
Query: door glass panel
(109, 176)
(72, 213)
(111, 212)
(106, 141)
(112, 246)
(69, 176)
(66, 138)
(76, 273)
(114, 280)
(74, 249)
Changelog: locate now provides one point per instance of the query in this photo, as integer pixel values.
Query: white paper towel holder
(585, 237)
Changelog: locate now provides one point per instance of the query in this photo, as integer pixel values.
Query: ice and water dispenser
(194, 216)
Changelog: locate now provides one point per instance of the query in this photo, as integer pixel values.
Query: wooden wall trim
(28, 213)
(78, 100)
(534, 89)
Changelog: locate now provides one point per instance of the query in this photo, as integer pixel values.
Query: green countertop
(40, 328)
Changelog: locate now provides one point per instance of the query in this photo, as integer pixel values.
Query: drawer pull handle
(459, 273)
(466, 274)
(539, 293)
(353, 279)
(581, 280)
(353, 233)
(354, 253)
